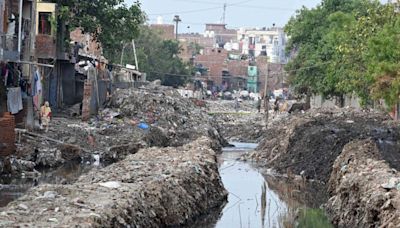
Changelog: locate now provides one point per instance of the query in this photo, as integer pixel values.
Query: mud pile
(170, 189)
(246, 125)
(134, 119)
(365, 189)
(309, 144)
(178, 120)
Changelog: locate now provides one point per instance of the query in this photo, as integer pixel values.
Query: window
(44, 23)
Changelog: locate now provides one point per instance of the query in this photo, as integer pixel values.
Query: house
(269, 42)
(220, 34)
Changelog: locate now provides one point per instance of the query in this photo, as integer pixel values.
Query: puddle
(12, 188)
(254, 201)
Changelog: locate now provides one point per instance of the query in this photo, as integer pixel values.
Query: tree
(159, 58)
(331, 43)
(111, 22)
(383, 60)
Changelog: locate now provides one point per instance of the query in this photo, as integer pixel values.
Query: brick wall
(7, 135)
(215, 60)
(45, 47)
(91, 47)
(166, 31)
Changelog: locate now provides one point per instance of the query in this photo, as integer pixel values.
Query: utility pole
(177, 20)
(266, 96)
(134, 53)
(224, 14)
(21, 3)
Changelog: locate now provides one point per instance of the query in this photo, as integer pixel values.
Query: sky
(239, 13)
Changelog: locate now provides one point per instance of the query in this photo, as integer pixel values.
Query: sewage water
(12, 188)
(253, 203)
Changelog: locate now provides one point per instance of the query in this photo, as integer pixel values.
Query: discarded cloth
(14, 100)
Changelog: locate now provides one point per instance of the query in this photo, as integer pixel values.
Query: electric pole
(266, 96)
(224, 14)
(176, 20)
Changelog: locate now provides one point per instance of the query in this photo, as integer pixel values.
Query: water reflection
(252, 202)
(12, 188)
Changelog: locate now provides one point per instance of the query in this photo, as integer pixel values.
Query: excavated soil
(309, 144)
(171, 188)
(168, 120)
(242, 125)
(365, 189)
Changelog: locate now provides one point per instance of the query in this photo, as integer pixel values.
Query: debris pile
(365, 189)
(309, 144)
(171, 188)
(246, 125)
(134, 119)
(178, 120)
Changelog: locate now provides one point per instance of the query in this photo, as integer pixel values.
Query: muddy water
(12, 188)
(253, 203)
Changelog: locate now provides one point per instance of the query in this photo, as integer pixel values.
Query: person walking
(45, 115)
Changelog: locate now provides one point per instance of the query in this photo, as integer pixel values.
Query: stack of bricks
(87, 94)
(7, 135)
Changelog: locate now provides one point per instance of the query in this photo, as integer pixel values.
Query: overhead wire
(271, 74)
(199, 10)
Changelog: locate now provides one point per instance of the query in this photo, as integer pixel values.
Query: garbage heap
(308, 144)
(365, 189)
(155, 187)
(172, 119)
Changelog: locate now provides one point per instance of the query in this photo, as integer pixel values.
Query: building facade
(269, 42)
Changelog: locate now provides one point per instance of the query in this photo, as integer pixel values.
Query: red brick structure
(45, 46)
(215, 60)
(7, 135)
(87, 94)
(90, 46)
(189, 40)
(166, 31)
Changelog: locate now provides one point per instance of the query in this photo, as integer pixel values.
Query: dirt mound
(246, 125)
(134, 119)
(177, 118)
(155, 187)
(309, 144)
(365, 189)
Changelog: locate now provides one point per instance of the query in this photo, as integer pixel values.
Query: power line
(260, 75)
(199, 10)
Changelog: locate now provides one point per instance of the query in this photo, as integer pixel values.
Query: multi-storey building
(269, 42)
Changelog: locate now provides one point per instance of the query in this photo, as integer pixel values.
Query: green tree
(383, 60)
(111, 22)
(159, 58)
(330, 44)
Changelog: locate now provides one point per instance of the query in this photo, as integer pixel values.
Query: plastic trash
(143, 126)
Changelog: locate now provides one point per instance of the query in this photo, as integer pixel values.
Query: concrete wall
(350, 101)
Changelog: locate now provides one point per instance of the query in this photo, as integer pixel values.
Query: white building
(266, 41)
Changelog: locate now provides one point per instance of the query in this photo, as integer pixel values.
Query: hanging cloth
(14, 100)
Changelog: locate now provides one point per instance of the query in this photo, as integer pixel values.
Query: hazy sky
(239, 13)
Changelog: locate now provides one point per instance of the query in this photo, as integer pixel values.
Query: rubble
(177, 119)
(155, 187)
(246, 125)
(310, 143)
(118, 130)
(363, 188)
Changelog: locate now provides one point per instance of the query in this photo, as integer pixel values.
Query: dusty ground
(156, 187)
(115, 132)
(309, 144)
(365, 189)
